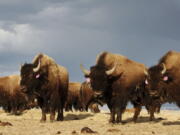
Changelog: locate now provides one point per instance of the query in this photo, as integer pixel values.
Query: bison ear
(37, 76)
(165, 78)
(146, 82)
(88, 80)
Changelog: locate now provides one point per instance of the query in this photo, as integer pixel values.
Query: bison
(79, 96)
(87, 95)
(163, 82)
(117, 79)
(12, 99)
(73, 100)
(48, 81)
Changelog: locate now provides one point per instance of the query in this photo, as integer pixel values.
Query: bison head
(157, 80)
(99, 76)
(32, 77)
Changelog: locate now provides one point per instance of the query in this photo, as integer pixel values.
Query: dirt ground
(29, 124)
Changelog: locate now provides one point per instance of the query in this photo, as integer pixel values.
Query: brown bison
(79, 95)
(163, 79)
(87, 95)
(73, 99)
(49, 82)
(116, 78)
(11, 98)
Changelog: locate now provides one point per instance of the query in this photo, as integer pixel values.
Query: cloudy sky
(75, 31)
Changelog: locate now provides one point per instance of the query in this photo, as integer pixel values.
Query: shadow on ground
(144, 120)
(77, 116)
(171, 123)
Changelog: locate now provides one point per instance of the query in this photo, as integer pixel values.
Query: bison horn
(85, 71)
(110, 71)
(21, 66)
(164, 69)
(145, 72)
(38, 67)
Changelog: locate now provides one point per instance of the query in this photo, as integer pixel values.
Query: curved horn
(164, 69)
(110, 71)
(85, 71)
(145, 72)
(20, 66)
(38, 67)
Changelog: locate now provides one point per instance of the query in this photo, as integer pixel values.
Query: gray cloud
(75, 31)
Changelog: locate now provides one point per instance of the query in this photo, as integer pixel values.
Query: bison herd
(114, 80)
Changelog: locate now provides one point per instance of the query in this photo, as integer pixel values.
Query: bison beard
(48, 82)
(117, 77)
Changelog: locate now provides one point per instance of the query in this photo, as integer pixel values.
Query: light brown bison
(163, 79)
(73, 100)
(49, 82)
(116, 78)
(11, 98)
(87, 95)
(79, 95)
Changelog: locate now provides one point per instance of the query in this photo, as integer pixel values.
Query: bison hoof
(152, 119)
(112, 121)
(42, 121)
(52, 120)
(119, 121)
(60, 119)
(135, 120)
(123, 122)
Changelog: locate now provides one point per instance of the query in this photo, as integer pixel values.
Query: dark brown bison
(163, 79)
(49, 82)
(11, 98)
(73, 99)
(117, 79)
(87, 95)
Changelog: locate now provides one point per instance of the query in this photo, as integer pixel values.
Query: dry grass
(29, 124)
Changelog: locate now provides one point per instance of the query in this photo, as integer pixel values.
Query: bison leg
(52, 115)
(136, 113)
(43, 118)
(119, 116)
(152, 109)
(60, 116)
(13, 111)
(112, 117)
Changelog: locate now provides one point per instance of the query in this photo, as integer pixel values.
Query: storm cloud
(75, 31)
